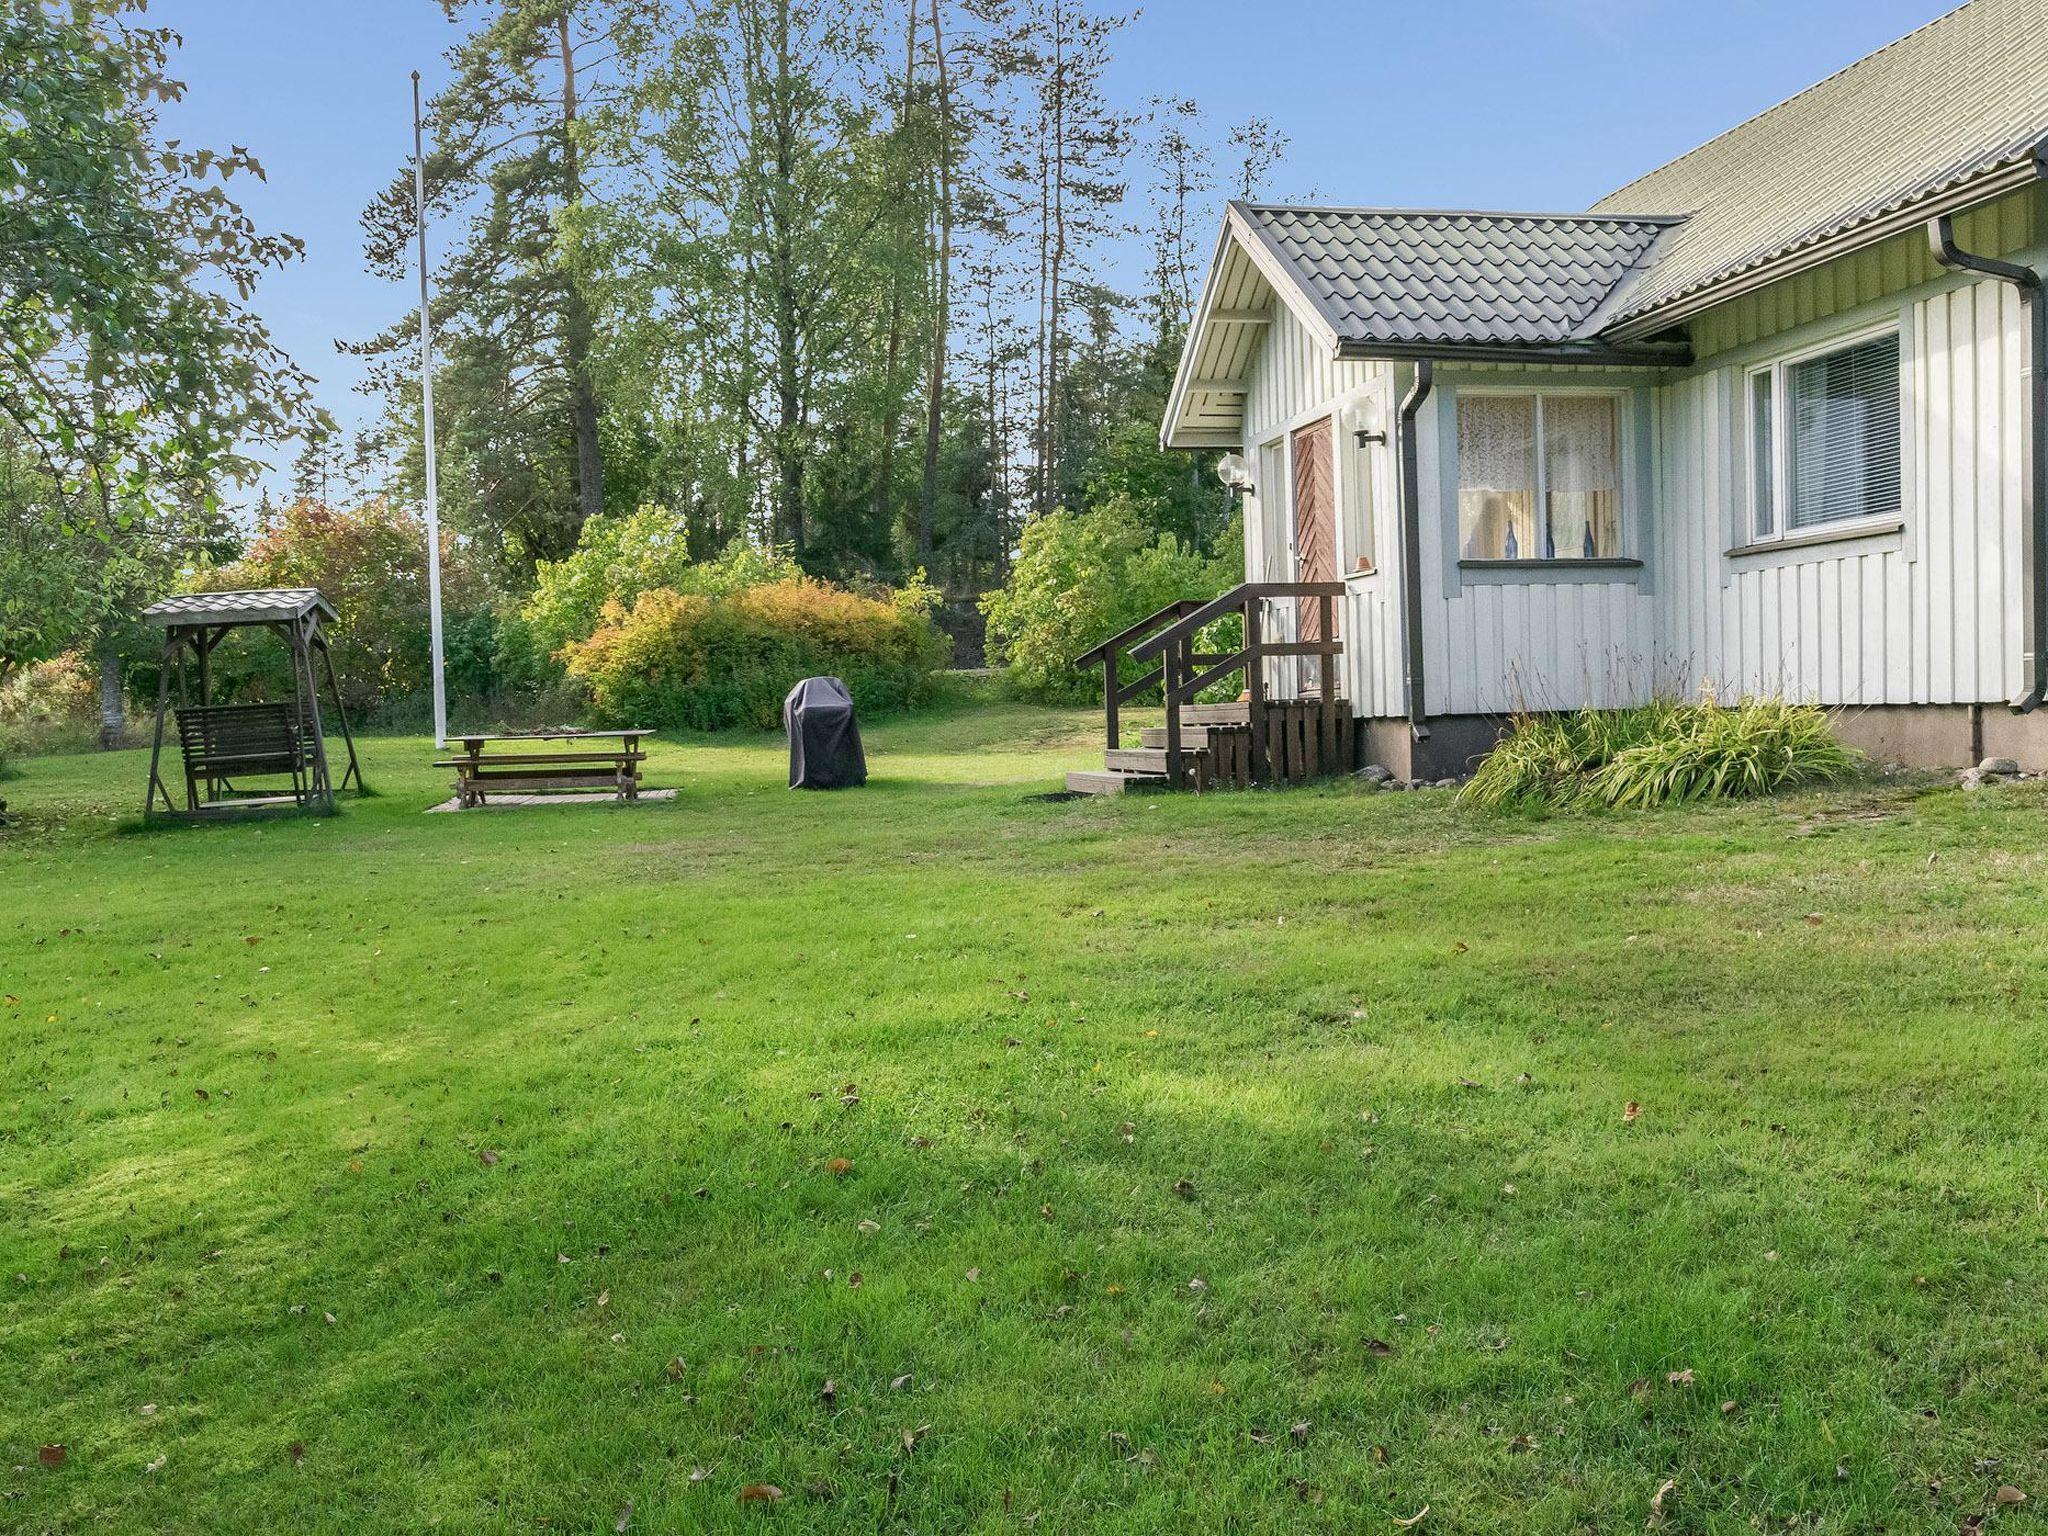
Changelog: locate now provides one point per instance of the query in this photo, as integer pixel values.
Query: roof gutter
(1677, 354)
(1411, 547)
(1941, 238)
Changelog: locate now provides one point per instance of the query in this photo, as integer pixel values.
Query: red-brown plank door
(1315, 531)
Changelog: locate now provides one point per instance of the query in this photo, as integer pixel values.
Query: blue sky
(1531, 104)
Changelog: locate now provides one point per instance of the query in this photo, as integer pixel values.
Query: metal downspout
(1941, 237)
(1411, 551)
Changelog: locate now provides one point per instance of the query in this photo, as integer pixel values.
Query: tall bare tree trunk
(789, 400)
(576, 321)
(113, 714)
(942, 316)
(1053, 437)
(885, 461)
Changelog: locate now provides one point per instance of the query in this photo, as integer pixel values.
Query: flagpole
(419, 192)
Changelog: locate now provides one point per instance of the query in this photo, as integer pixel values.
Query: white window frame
(1624, 468)
(1777, 368)
(1280, 500)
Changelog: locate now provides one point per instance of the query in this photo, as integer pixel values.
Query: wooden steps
(1113, 783)
(1194, 758)
(1218, 752)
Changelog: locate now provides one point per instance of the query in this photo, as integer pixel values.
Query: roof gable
(1407, 277)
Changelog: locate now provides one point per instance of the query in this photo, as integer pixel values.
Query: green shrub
(618, 558)
(60, 691)
(371, 562)
(710, 661)
(1079, 577)
(1659, 754)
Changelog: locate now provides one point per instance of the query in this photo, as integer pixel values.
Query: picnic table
(526, 768)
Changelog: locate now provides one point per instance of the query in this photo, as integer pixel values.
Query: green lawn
(1248, 1163)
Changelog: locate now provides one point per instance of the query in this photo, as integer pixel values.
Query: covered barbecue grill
(824, 738)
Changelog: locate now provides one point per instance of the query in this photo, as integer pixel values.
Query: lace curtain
(1499, 440)
(1582, 476)
(1497, 477)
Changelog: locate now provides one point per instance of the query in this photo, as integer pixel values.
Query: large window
(1824, 438)
(1539, 476)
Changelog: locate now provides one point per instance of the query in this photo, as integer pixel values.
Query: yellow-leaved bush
(706, 662)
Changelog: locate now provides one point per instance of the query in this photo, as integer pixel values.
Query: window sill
(1361, 572)
(1842, 533)
(1548, 572)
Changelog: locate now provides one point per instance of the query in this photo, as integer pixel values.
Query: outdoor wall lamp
(1234, 472)
(1368, 429)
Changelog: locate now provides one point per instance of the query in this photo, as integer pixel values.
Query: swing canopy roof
(272, 605)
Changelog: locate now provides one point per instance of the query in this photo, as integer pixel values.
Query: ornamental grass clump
(1659, 754)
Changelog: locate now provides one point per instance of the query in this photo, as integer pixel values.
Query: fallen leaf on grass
(296, 1451)
(912, 1436)
(760, 1493)
(829, 1392)
(1679, 1378)
(625, 1516)
(1413, 1520)
(839, 1167)
(1664, 1491)
(2008, 1495)
(1185, 1188)
(1299, 1433)
(52, 1455)
(158, 1464)
(1378, 1347)
(1631, 1112)
(902, 1383)
(702, 1474)
(488, 1158)
(675, 1368)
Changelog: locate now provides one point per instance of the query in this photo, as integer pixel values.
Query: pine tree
(509, 166)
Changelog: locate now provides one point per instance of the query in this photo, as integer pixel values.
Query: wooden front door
(1315, 531)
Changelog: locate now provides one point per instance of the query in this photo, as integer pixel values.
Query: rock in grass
(2004, 766)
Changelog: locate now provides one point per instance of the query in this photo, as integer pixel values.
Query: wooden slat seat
(494, 758)
(220, 741)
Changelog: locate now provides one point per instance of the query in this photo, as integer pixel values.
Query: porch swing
(223, 746)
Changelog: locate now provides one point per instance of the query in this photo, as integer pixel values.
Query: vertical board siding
(1293, 379)
(1930, 617)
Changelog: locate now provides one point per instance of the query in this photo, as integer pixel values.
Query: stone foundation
(1912, 735)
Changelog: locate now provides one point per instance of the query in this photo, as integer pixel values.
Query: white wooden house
(1766, 419)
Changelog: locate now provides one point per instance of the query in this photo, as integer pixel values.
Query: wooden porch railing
(1182, 672)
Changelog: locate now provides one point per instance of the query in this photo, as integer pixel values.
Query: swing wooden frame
(219, 742)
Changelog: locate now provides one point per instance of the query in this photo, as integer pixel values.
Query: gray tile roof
(1960, 97)
(1381, 275)
(268, 606)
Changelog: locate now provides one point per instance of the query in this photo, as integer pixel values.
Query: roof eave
(1287, 290)
(1995, 182)
(1576, 354)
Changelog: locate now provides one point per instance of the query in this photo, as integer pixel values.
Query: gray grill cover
(824, 738)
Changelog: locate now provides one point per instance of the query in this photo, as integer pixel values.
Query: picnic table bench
(526, 770)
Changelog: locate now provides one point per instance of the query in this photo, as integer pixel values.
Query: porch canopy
(222, 742)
